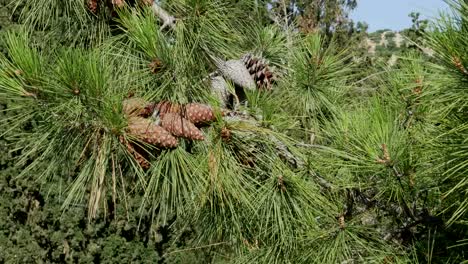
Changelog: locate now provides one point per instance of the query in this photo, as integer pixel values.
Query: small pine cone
(259, 70)
(145, 130)
(281, 183)
(341, 222)
(93, 6)
(147, 2)
(134, 106)
(199, 113)
(118, 3)
(181, 127)
(155, 65)
(138, 157)
(226, 134)
(14, 73)
(458, 63)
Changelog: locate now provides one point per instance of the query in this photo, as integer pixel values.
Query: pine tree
(76, 95)
(242, 134)
(401, 151)
(450, 145)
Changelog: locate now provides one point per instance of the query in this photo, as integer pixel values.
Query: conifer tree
(449, 93)
(241, 133)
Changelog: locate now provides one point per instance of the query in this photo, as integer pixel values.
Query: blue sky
(393, 14)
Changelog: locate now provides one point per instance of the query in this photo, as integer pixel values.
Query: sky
(393, 14)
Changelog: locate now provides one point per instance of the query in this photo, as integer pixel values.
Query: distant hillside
(389, 44)
(386, 39)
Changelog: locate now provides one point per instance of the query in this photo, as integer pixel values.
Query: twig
(282, 149)
(286, 154)
(406, 208)
(305, 145)
(286, 22)
(321, 181)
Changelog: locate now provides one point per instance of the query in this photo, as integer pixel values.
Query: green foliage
(66, 22)
(450, 91)
(316, 84)
(313, 171)
(35, 229)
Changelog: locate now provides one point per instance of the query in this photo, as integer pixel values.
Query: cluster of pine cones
(161, 124)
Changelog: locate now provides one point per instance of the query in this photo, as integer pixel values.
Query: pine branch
(286, 154)
(167, 19)
(283, 151)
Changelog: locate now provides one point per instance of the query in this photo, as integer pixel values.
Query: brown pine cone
(147, 131)
(165, 107)
(259, 70)
(93, 6)
(181, 127)
(226, 134)
(155, 65)
(148, 110)
(138, 157)
(199, 113)
(147, 2)
(134, 106)
(118, 3)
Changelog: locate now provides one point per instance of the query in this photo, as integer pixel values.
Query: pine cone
(118, 3)
(226, 134)
(134, 106)
(147, 2)
(155, 65)
(235, 71)
(147, 131)
(93, 6)
(181, 127)
(148, 110)
(198, 113)
(259, 70)
(138, 157)
(165, 107)
(219, 87)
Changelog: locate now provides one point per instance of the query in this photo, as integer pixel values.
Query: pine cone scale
(260, 71)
